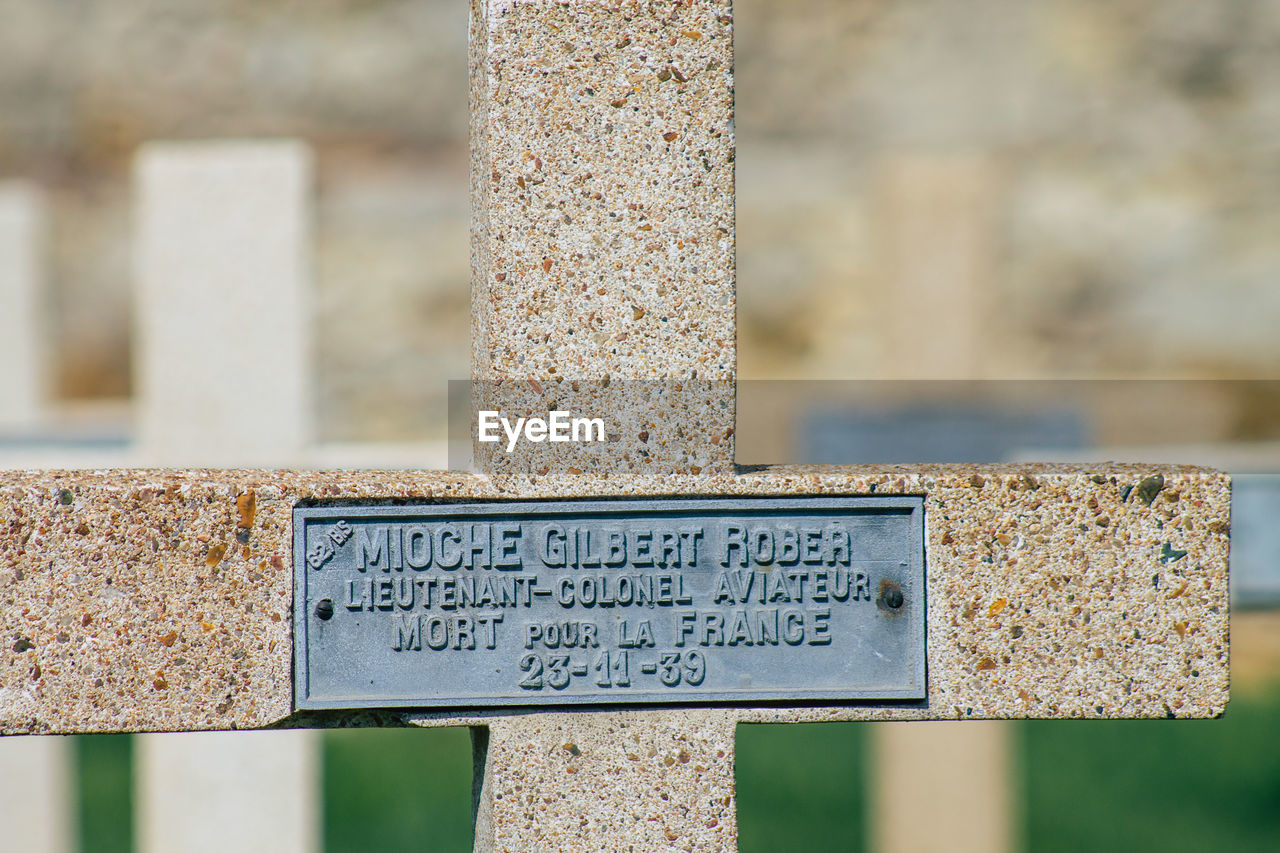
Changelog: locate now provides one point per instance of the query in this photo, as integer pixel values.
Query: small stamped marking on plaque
(609, 602)
(326, 546)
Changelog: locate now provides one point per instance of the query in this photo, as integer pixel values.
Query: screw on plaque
(324, 609)
(891, 597)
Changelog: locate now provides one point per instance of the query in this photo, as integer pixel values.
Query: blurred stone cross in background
(603, 274)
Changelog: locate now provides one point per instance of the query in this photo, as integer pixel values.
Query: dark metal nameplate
(609, 602)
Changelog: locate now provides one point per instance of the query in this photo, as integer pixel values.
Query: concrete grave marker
(1044, 590)
(222, 277)
(223, 309)
(37, 795)
(24, 372)
(36, 801)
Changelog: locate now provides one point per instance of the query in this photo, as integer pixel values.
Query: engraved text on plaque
(609, 602)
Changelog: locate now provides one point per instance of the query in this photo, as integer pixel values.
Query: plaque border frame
(914, 692)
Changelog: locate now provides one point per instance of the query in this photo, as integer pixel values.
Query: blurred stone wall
(1130, 148)
(1099, 178)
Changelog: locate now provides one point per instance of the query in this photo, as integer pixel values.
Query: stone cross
(602, 183)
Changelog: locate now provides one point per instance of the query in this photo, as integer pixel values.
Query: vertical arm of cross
(603, 236)
(603, 254)
(608, 781)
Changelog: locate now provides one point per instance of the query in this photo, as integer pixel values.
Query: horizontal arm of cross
(161, 600)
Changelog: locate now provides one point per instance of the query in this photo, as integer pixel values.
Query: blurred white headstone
(223, 302)
(942, 786)
(216, 792)
(37, 808)
(939, 786)
(937, 248)
(223, 313)
(23, 368)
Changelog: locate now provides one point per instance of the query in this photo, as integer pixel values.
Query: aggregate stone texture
(648, 427)
(602, 182)
(609, 781)
(161, 600)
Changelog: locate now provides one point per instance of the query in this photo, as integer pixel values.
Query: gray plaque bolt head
(324, 609)
(891, 597)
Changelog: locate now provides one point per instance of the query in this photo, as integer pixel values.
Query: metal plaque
(609, 602)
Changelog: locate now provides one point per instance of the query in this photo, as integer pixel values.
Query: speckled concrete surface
(602, 182)
(153, 600)
(650, 428)
(670, 782)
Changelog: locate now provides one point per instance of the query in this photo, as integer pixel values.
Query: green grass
(104, 789)
(800, 787)
(1164, 786)
(391, 790)
(1157, 785)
